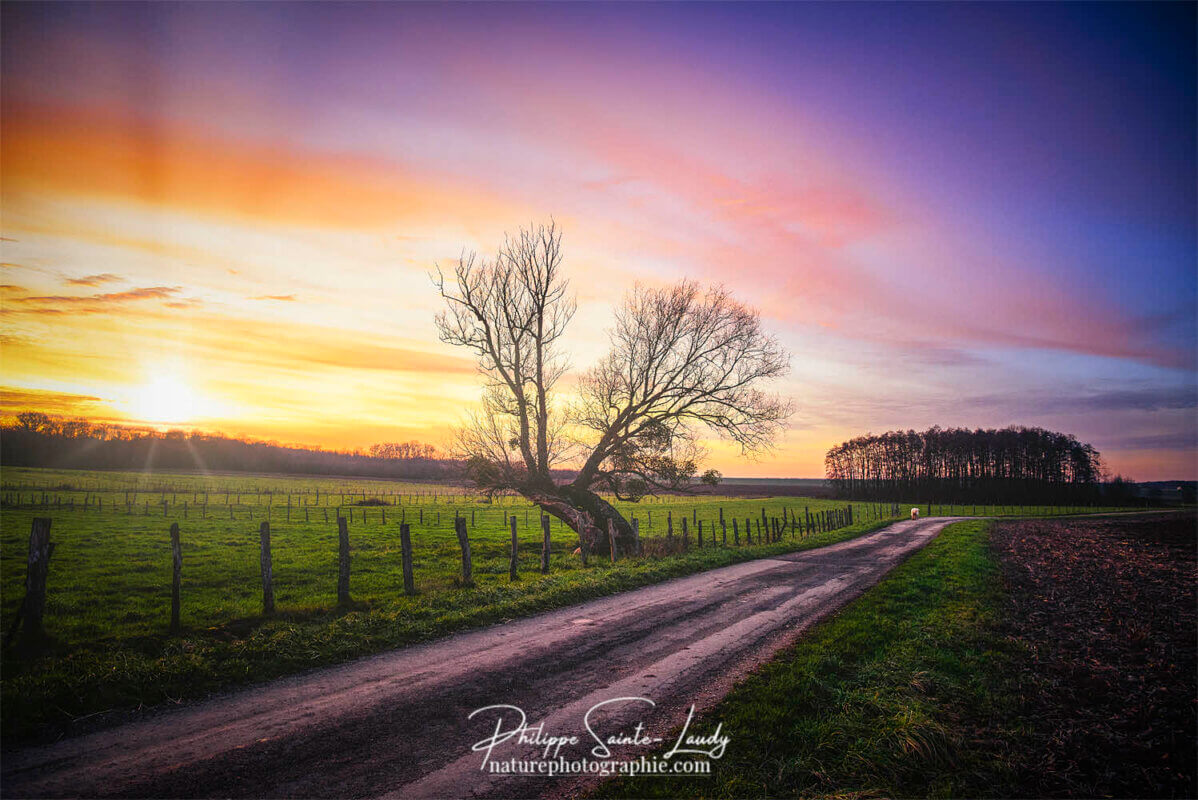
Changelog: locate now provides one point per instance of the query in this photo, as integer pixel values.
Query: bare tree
(682, 360)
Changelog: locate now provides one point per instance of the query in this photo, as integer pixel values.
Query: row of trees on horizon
(1014, 464)
(35, 439)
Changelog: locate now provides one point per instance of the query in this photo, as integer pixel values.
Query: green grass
(900, 695)
(967, 510)
(109, 582)
(249, 493)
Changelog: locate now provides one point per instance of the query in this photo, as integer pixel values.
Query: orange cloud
(13, 399)
(95, 280)
(164, 164)
(296, 345)
(91, 304)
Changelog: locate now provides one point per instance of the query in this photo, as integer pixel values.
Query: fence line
(769, 530)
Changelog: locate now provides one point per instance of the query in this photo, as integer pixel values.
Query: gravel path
(397, 723)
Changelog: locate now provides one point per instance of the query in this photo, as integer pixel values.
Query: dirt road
(397, 723)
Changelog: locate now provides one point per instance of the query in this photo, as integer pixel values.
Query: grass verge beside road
(901, 694)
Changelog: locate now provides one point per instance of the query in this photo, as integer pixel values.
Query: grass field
(899, 695)
(108, 603)
(110, 574)
(111, 569)
(109, 581)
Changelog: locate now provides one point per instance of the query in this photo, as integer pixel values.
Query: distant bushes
(41, 440)
(1016, 465)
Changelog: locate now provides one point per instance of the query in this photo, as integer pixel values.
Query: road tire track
(396, 723)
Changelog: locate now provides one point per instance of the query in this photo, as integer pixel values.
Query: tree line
(35, 439)
(1014, 464)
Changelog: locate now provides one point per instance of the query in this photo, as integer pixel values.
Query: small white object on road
(915, 513)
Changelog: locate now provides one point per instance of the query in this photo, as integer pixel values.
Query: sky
(224, 216)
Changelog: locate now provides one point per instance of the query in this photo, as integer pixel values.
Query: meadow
(109, 582)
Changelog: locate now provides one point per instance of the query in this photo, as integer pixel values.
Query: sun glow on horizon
(201, 234)
(163, 399)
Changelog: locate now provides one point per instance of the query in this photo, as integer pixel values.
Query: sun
(163, 399)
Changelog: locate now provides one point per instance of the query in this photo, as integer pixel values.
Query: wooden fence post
(544, 544)
(40, 550)
(669, 526)
(699, 533)
(342, 561)
(611, 538)
(405, 546)
(268, 577)
(176, 577)
(38, 566)
(735, 533)
(515, 545)
(685, 535)
(636, 534)
(464, 543)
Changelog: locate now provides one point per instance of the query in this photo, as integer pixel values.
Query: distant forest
(1009, 465)
(40, 440)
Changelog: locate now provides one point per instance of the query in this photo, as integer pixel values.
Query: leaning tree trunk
(588, 514)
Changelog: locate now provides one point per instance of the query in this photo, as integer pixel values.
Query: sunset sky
(224, 216)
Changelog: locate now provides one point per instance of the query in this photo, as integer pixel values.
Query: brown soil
(1107, 609)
